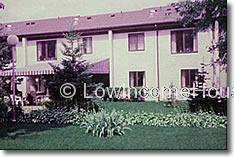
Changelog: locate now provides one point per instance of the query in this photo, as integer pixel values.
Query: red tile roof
(155, 15)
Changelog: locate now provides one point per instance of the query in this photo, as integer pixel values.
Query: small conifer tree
(73, 70)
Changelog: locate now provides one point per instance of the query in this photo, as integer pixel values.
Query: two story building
(147, 47)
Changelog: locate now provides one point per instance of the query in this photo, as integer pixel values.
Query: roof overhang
(121, 29)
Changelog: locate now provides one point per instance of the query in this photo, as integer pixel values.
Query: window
(136, 42)
(136, 78)
(40, 84)
(184, 41)
(87, 45)
(188, 77)
(46, 50)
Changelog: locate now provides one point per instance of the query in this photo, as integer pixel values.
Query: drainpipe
(157, 64)
(111, 63)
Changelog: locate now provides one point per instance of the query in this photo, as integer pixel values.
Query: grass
(141, 137)
(37, 136)
(145, 107)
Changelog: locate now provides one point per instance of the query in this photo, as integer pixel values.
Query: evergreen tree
(74, 70)
(5, 59)
(205, 100)
(1, 5)
(198, 99)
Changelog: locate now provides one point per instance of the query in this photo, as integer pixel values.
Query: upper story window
(46, 50)
(188, 77)
(183, 41)
(87, 47)
(136, 42)
(136, 78)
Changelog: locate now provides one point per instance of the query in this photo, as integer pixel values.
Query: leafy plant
(202, 101)
(105, 124)
(205, 11)
(61, 116)
(3, 111)
(201, 120)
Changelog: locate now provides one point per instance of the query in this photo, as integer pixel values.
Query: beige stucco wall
(100, 46)
(125, 61)
(170, 65)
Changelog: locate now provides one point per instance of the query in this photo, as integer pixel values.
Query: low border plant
(105, 124)
(61, 116)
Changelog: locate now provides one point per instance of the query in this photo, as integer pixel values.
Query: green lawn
(144, 107)
(140, 137)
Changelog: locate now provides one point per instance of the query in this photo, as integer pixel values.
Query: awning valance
(100, 67)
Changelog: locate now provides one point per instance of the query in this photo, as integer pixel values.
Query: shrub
(93, 105)
(61, 116)
(203, 102)
(3, 112)
(201, 120)
(216, 105)
(6, 112)
(48, 104)
(105, 124)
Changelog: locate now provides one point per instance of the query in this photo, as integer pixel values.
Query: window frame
(83, 47)
(136, 35)
(40, 84)
(137, 77)
(47, 54)
(195, 42)
(181, 80)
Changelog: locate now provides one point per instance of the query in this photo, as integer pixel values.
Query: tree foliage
(5, 59)
(203, 14)
(1, 5)
(203, 100)
(74, 70)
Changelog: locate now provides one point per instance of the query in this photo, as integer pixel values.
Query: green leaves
(105, 124)
(5, 53)
(61, 116)
(201, 120)
(108, 124)
(74, 70)
(1, 5)
(203, 15)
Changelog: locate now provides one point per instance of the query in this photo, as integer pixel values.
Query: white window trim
(136, 51)
(56, 48)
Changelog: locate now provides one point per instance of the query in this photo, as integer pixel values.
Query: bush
(47, 103)
(216, 105)
(105, 124)
(203, 101)
(3, 112)
(61, 116)
(201, 120)
(93, 105)
(6, 114)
